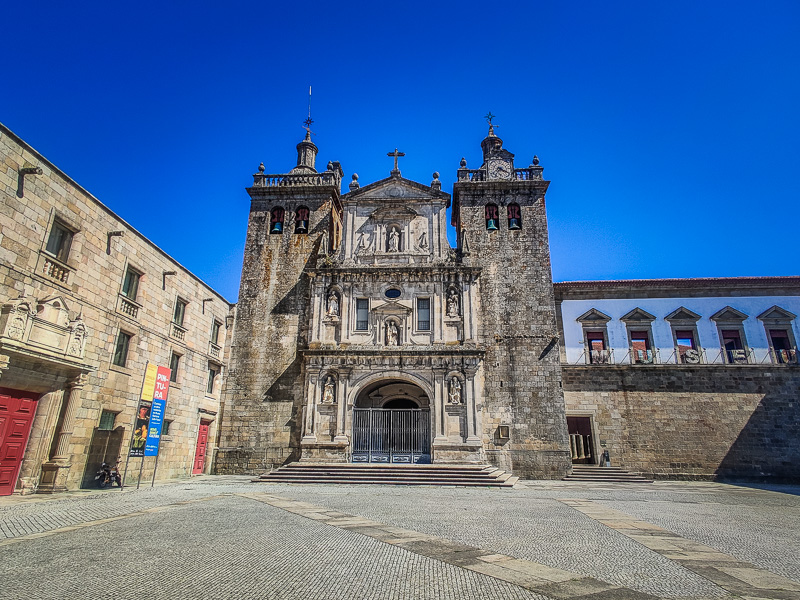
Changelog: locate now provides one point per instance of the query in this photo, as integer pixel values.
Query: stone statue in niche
(362, 244)
(452, 303)
(392, 334)
(422, 242)
(333, 304)
(328, 391)
(394, 240)
(454, 393)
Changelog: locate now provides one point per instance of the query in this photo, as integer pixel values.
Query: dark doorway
(104, 447)
(391, 424)
(581, 443)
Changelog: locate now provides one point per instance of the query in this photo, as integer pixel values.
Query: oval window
(392, 293)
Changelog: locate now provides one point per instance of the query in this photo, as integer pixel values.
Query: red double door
(200, 451)
(17, 410)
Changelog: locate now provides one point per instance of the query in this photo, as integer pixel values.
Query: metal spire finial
(489, 116)
(309, 120)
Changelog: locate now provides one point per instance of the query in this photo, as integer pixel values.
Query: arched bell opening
(391, 423)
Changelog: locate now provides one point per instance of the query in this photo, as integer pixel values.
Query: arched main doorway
(391, 424)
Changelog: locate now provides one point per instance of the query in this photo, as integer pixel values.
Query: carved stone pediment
(683, 315)
(396, 188)
(728, 315)
(393, 212)
(637, 315)
(43, 326)
(391, 308)
(593, 316)
(776, 314)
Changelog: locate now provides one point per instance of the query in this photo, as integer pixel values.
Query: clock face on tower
(498, 169)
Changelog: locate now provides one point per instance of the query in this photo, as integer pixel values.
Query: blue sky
(669, 130)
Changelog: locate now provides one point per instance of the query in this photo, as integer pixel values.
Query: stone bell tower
(499, 215)
(294, 218)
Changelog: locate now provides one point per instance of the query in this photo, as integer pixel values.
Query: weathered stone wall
(263, 398)
(517, 326)
(693, 422)
(96, 267)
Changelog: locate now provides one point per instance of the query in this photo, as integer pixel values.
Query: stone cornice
(372, 351)
(413, 272)
(678, 288)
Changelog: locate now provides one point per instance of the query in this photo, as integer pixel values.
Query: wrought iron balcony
(643, 357)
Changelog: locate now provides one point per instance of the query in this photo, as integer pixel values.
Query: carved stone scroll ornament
(19, 312)
(77, 339)
(454, 392)
(329, 391)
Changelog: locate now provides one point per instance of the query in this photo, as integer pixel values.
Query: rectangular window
(174, 363)
(362, 314)
(212, 375)
(684, 339)
(596, 341)
(130, 285)
(215, 327)
(686, 346)
(782, 346)
(180, 312)
(107, 419)
(734, 348)
(59, 241)
(165, 427)
(424, 314)
(121, 349)
(640, 347)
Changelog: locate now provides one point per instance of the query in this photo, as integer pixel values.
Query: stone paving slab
(62, 544)
(736, 577)
(536, 577)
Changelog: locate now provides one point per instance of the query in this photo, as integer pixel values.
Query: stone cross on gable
(396, 154)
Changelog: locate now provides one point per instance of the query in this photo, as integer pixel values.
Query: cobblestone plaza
(224, 537)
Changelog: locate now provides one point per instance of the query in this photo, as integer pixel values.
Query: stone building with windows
(86, 301)
(683, 378)
(362, 336)
(376, 342)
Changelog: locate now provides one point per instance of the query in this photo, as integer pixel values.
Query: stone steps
(459, 475)
(604, 475)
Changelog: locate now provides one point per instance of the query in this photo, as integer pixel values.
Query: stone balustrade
(301, 179)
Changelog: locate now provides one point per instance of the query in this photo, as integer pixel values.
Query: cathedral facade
(362, 336)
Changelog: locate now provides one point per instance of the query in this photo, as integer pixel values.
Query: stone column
(341, 399)
(56, 469)
(438, 408)
(467, 312)
(311, 401)
(72, 392)
(472, 411)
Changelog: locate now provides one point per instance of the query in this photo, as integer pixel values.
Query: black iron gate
(391, 435)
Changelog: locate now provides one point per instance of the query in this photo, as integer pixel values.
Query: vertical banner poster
(157, 411)
(142, 422)
(140, 428)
